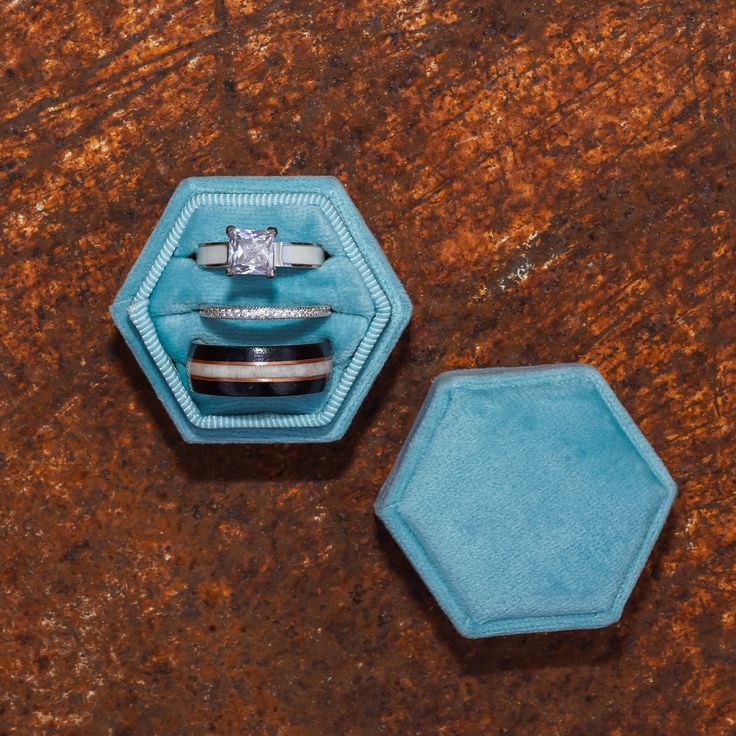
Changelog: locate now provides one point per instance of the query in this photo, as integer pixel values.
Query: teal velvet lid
(527, 499)
(157, 308)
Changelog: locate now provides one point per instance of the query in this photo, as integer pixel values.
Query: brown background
(552, 181)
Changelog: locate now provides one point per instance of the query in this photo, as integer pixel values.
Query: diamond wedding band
(311, 312)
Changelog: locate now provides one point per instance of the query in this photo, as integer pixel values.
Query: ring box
(527, 499)
(156, 310)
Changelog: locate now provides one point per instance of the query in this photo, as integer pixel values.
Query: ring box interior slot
(157, 309)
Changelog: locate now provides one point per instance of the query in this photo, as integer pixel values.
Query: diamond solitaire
(250, 252)
(257, 253)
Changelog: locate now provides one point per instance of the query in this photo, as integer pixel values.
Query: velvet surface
(370, 308)
(527, 499)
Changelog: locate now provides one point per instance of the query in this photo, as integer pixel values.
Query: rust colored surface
(553, 181)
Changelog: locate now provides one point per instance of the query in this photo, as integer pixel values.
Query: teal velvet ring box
(527, 499)
(157, 308)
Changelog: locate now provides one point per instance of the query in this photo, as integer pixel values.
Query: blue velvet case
(156, 309)
(527, 499)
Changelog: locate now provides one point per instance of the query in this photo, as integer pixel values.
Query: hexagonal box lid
(157, 308)
(527, 499)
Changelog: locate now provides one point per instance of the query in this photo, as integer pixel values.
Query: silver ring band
(257, 253)
(219, 312)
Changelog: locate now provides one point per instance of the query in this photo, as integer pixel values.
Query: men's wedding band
(222, 312)
(269, 370)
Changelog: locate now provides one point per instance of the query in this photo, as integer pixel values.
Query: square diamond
(250, 252)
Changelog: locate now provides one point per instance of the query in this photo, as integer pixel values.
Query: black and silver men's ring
(267, 370)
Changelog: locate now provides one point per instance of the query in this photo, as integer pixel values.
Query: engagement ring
(258, 253)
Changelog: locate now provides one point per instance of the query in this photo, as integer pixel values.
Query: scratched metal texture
(552, 181)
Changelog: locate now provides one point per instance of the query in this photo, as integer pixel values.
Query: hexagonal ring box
(527, 499)
(157, 308)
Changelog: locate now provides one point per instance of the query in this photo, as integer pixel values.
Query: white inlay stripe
(296, 371)
(212, 255)
(302, 254)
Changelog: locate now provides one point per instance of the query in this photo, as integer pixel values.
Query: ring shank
(213, 311)
(286, 255)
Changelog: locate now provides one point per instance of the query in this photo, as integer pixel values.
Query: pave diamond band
(311, 312)
(258, 253)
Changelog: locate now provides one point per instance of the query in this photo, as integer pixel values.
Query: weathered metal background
(553, 181)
